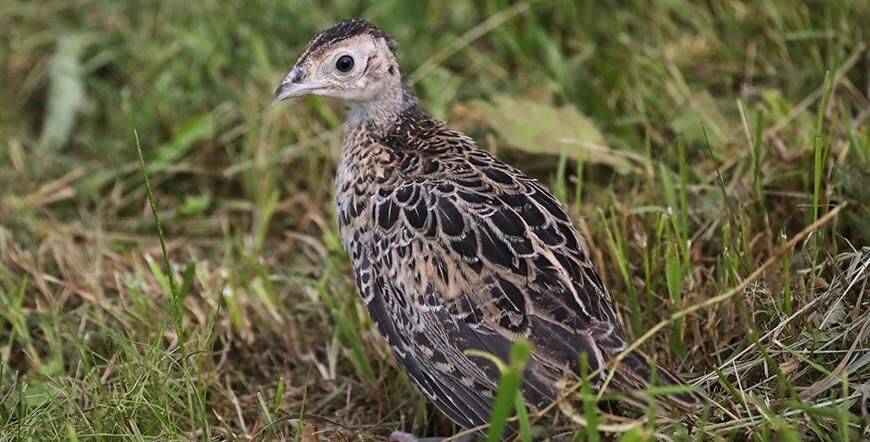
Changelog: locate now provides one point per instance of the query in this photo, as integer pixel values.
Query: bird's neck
(383, 113)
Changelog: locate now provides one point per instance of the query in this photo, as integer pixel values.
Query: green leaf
(66, 92)
(523, 418)
(541, 128)
(508, 389)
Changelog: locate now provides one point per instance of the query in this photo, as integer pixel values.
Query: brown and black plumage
(452, 249)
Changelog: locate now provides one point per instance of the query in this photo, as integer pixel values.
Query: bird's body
(454, 250)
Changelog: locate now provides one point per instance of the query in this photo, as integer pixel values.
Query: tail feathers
(635, 373)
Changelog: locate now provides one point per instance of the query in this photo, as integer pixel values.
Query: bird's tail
(637, 373)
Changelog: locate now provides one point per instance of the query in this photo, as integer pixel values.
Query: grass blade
(508, 390)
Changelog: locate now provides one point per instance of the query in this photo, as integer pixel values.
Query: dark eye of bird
(344, 63)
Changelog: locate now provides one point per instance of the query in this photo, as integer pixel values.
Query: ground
(716, 154)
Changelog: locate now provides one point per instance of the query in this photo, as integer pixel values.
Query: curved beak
(293, 86)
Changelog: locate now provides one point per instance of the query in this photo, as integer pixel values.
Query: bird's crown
(344, 30)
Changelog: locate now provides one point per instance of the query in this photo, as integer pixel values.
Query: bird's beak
(293, 86)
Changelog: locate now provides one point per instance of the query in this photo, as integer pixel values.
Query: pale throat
(382, 112)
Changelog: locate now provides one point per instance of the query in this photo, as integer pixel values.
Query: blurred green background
(692, 137)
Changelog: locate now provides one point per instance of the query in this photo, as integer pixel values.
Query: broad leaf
(540, 128)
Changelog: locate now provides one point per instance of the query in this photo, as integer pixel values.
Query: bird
(454, 252)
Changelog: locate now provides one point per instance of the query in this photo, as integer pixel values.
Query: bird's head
(353, 61)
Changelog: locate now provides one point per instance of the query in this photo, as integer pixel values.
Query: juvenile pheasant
(452, 249)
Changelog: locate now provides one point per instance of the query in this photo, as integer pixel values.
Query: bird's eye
(344, 63)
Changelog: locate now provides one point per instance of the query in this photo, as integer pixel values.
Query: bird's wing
(485, 255)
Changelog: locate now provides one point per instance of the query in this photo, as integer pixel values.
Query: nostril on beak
(296, 75)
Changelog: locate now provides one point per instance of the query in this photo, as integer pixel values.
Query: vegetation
(717, 155)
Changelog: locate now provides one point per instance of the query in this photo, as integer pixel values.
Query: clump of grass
(742, 123)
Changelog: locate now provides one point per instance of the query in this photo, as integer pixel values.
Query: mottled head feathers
(344, 30)
(355, 62)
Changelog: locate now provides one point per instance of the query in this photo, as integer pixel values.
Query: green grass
(695, 142)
